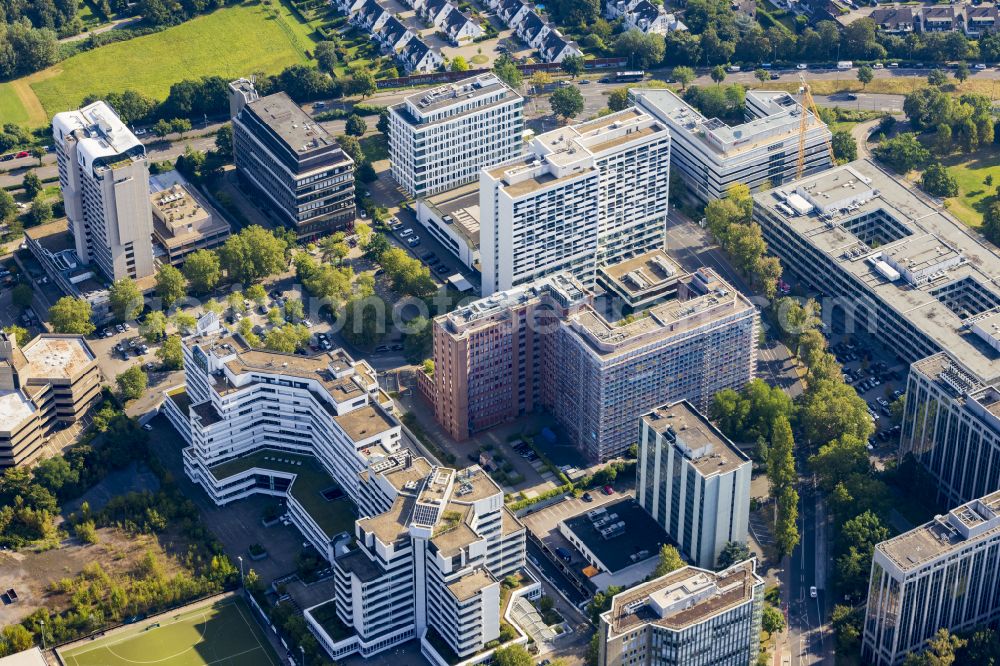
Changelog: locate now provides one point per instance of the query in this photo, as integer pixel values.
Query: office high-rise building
(690, 616)
(951, 427)
(693, 481)
(710, 155)
(585, 195)
(53, 379)
(292, 161)
(442, 138)
(433, 545)
(544, 345)
(943, 574)
(104, 179)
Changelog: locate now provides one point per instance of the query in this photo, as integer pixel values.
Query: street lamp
(302, 649)
(42, 624)
(242, 582)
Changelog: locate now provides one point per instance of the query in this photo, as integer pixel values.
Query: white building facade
(104, 178)
(441, 138)
(587, 194)
(693, 481)
(690, 616)
(943, 574)
(762, 152)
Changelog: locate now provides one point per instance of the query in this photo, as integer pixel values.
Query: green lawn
(11, 109)
(973, 194)
(230, 42)
(223, 634)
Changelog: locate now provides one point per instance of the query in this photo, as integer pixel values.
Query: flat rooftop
(568, 145)
(479, 92)
(908, 253)
(292, 125)
(461, 207)
(646, 275)
(488, 309)
(641, 535)
(683, 598)
(53, 356)
(959, 528)
(180, 214)
(672, 318)
(311, 480)
(390, 525)
(364, 423)
(15, 407)
(101, 134)
(781, 120)
(470, 584)
(709, 451)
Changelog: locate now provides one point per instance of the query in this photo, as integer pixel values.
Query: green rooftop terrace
(308, 487)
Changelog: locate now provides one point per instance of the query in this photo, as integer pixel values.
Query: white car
(126, 326)
(406, 232)
(802, 65)
(878, 65)
(307, 323)
(980, 66)
(140, 132)
(812, 591)
(415, 241)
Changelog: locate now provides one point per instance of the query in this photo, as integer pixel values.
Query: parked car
(563, 554)
(802, 65)
(587, 497)
(406, 232)
(415, 241)
(23, 153)
(980, 66)
(608, 490)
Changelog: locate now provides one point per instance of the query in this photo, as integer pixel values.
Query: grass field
(230, 42)
(970, 170)
(222, 634)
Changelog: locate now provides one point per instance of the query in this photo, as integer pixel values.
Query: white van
(845, 64)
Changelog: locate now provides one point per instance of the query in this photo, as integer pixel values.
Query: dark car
(587, 497)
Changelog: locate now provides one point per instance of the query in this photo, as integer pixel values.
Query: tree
(683, 75)
(762, 75)
(838, 459)
(670, 560)
(830, 409)
(618, 99)
(8, 207)
(41, 211)
(363, 82)
(566, 102)
(256, 293)
(170, 285)
(866, 75)
(962, 72)
(253, 254)
(171, 354)
(203, 270)
(32, 185)
(786, 531)
(364, 233)
(184, 322)
(940, 651)
(418, 339)
(126, 299)
(573, 65)
(20, 334)
(781, 463)
(845, 147)
(718, 74)
(22, 295)
(459, 64)
(71, 315)
(847, 627)
(507, 71)
(326, 56)
(364, 321)
(17, 639)
(132, 383)
(937, 78)
(938, 181)
(224, 142)
(356, 125)
(161, 128)
(643, 50)
(513, 655)
(772, 620)
(383, 122)
(287, 338)
(903, 152)
(732, 553)
(153, 326)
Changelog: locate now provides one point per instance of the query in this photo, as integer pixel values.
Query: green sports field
(223, 634)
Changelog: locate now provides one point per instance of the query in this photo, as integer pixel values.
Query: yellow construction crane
(807, 104)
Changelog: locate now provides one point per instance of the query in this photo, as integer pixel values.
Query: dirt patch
(30, 101)
(31, 574)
